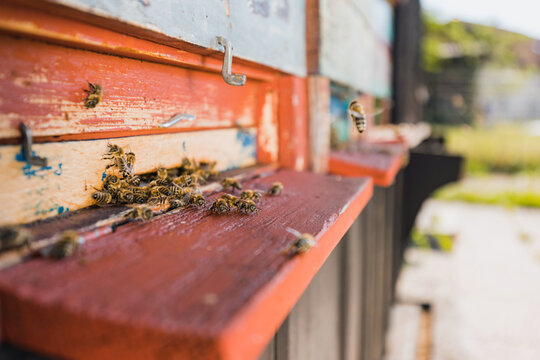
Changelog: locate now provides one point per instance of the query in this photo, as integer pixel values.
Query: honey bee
(160, 191)
(251, 195)
(156, 200)
(113, 151)
(207, 165)
(130, 161)
(139, 198)
(358, 116)
(68, 244)
(12, 237)
(221, 206)
(197, 200)
(140, 213)
(134, 181)
(276, 189)
(125, 196)
(184, 180)
(175, 203)
(231, 199)
(102, 198)
(93, 95)
(110, 182)
(247, 207)
(231, 183)
(162, 176)
(301, 245)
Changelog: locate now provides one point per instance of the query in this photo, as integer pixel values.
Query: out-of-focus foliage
(508, 198)
(470, 42)
(503, 148)
(432, 241)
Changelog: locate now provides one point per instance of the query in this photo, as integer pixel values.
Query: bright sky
(522, 16)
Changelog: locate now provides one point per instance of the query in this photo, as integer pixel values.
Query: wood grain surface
(43, 86)
(183, 285)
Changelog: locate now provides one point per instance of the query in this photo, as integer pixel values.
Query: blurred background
(474, 260)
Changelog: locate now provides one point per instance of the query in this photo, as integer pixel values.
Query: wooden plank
(319, 122)
(381, 162)
(268, 33)
(313, 36)
(74, 167)
(43, 86)
(369, 289)
(268, 134)
(379, 200)
(64, 26)
(293, 123)
(314, 322)
(185, 283)
(353, 251)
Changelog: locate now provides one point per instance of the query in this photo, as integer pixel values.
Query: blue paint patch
(33, 171)
(61, 210)
(184, 145)
(103, 176)
(246, 139)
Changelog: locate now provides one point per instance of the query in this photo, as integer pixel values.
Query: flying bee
(93, 95)
(301, 245)
(140, 212)
(12, 237)
(221, 206)
(356, 113)
(197, 200)
(275, 189)
(102, 198)
(247, 207)
(66, 246)
(231, 183)
(251, 195)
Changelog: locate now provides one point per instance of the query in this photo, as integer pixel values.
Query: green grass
(420, 240)
(500, 149)
(508, 198)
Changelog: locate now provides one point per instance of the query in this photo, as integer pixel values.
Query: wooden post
(292, 123)
(319, 122)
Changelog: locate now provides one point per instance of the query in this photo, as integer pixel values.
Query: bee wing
(376, 112)
(294, 232)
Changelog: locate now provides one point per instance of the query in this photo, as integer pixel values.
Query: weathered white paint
(32, 192)
(270, 32)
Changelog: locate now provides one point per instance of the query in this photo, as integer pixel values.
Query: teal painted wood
(355, 44)
(270, 32)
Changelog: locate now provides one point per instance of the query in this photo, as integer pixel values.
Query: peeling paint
(268, 133)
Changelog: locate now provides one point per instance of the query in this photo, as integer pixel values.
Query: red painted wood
(184, 285)
(43, 84)
(63, 25)
(293, 122)
(379, 161)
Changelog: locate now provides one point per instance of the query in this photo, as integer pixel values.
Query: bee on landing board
(221, 206)
(276, 189)
(251, 195)
(12, 237)
(102, 198)
(247, 207)
(140, 213)
(68, 244)
(231, 183)
(93, 95)
(303, 243)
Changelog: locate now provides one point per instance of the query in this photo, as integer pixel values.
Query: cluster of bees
(176, 188)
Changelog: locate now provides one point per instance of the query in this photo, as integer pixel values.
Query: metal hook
(28, 155)
(231, 79)
(176, 118)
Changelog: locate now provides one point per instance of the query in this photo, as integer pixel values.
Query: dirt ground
(485, 293)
